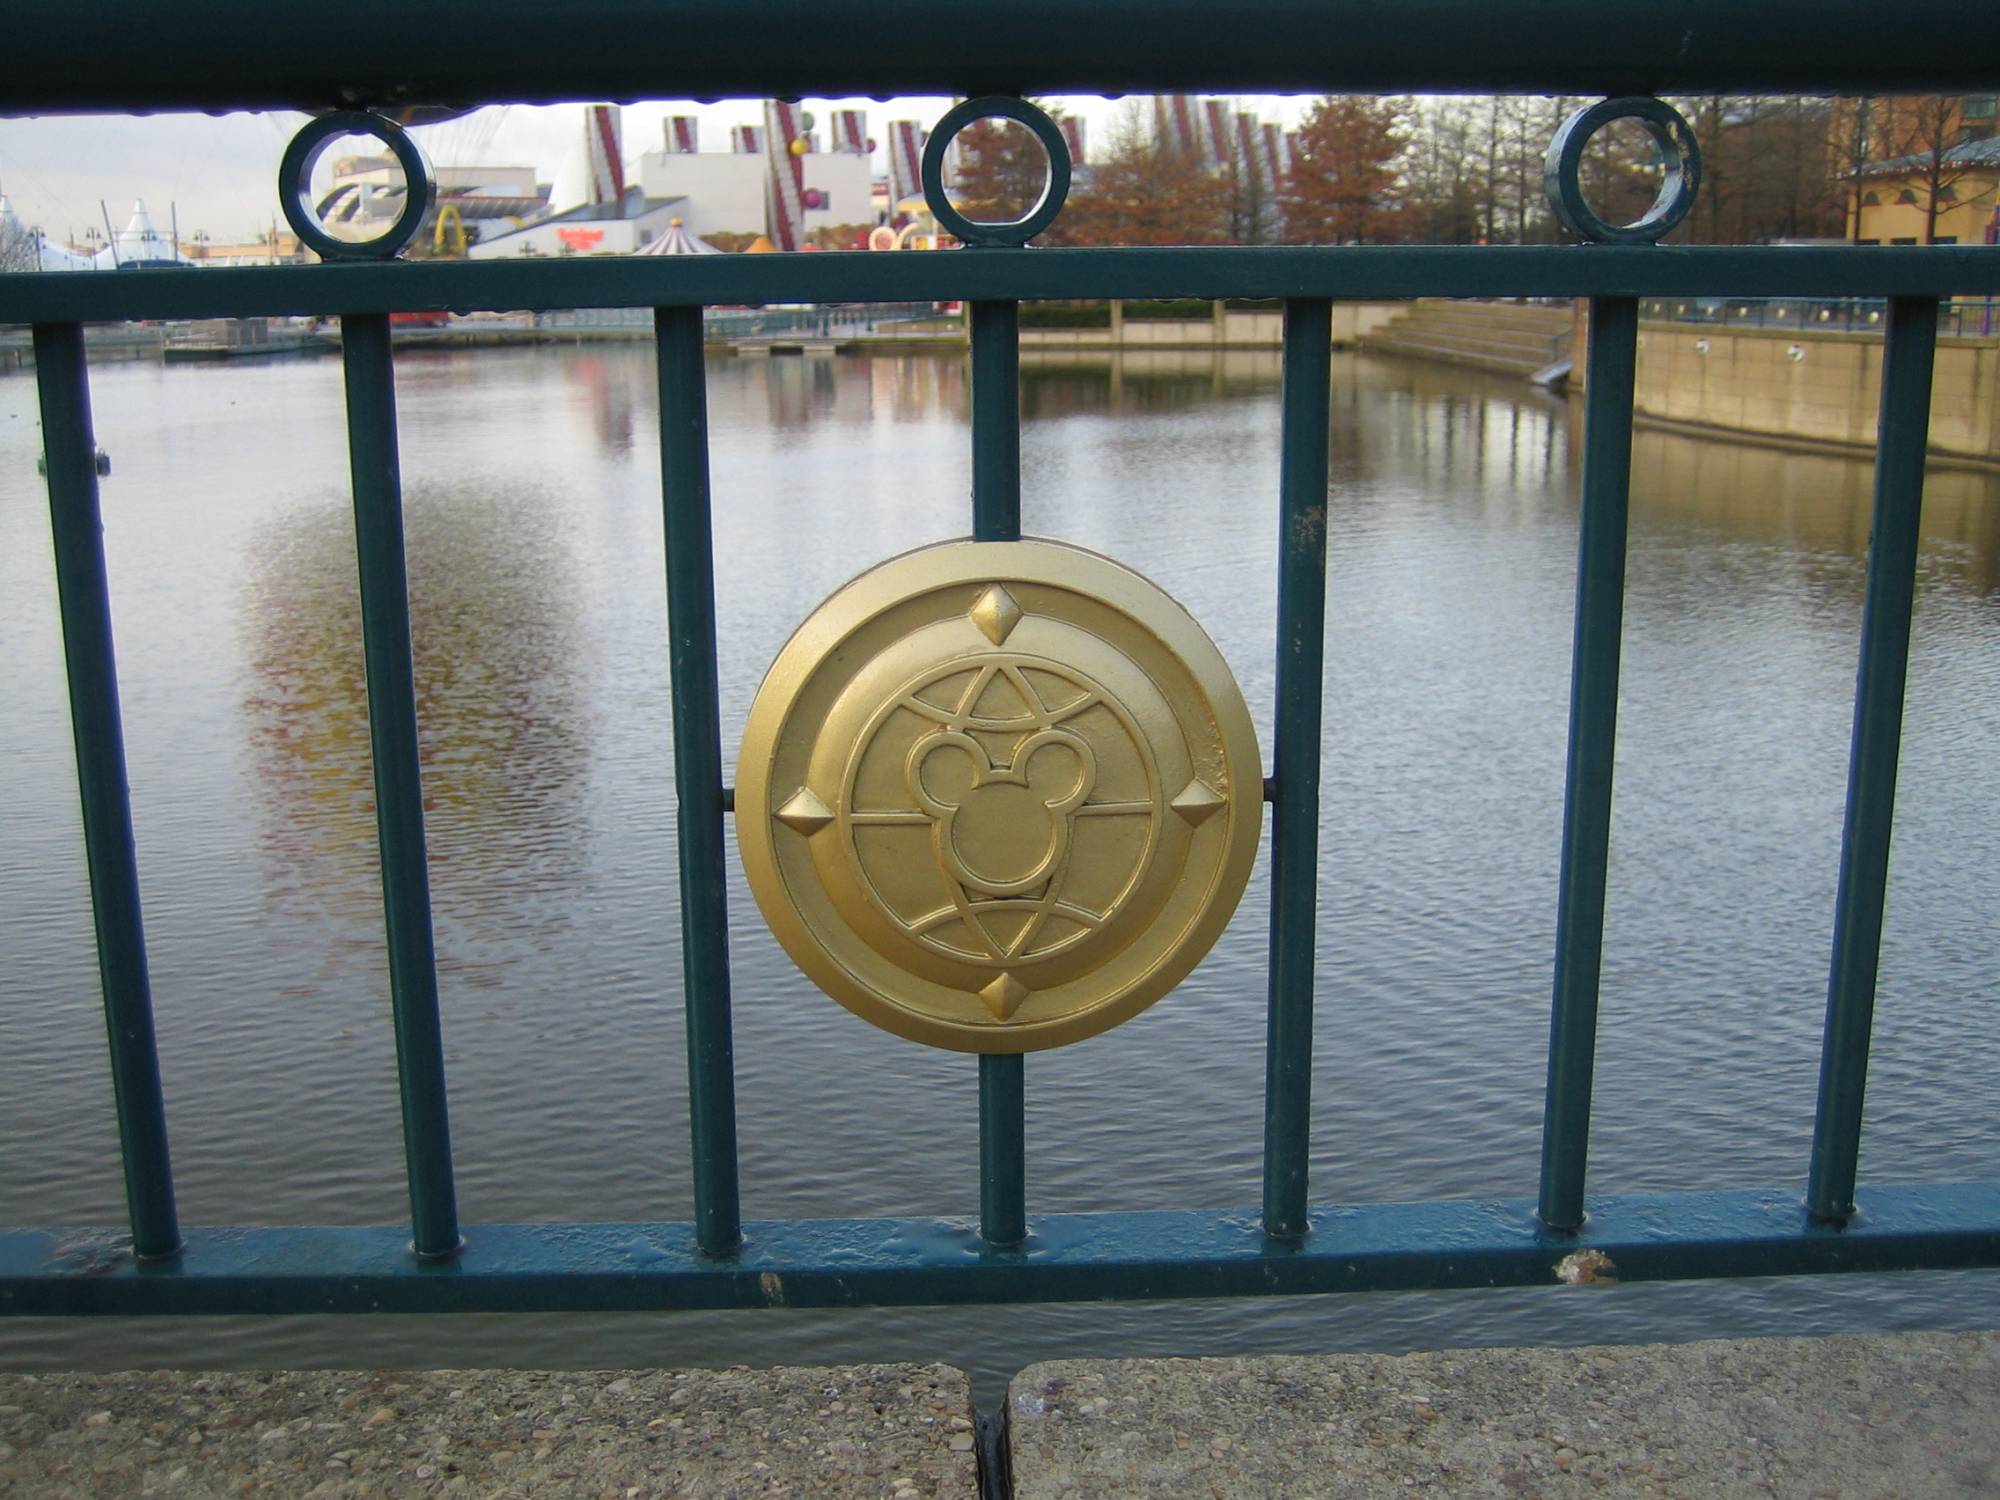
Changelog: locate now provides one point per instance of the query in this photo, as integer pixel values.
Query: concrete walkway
(901, 1431)
(1904, 1415)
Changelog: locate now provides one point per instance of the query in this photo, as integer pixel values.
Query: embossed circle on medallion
(998, 796)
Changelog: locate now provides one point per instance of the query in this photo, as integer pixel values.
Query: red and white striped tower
(906, 158)
(746, 140)
(683, 135)
(1254, 170)
(1275, 165)
(784, 191)
(604, 150)
(850, 132)
(1072, 129)
(1218, 140)
(1275, 158)
(953, 152)
(1177, 124)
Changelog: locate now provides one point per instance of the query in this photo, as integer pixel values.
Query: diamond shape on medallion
(996, 614)
(1197, 803)
(1004, 996)
(804, 812)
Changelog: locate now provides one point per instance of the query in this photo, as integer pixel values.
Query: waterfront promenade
(1855, 1416)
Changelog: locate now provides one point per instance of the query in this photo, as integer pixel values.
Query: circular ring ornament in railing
(295, 185)
(1679, 155)
(1054, 191)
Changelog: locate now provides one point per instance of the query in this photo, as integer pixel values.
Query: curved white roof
(140, 244)
(22, 248)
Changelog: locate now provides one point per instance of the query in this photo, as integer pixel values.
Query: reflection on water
(1814, 505)
(1061, 382)
(506, 729)
(532, 488)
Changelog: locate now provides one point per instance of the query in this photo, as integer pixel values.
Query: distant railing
(147, 57)
(724, 323)
(1958, 318)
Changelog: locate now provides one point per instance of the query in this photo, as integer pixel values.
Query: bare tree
(20, 247)
(1924, 130)
(1441, 176)
(1473, 169)
(1852, 135)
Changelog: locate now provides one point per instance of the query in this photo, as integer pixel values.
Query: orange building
(1920, 171)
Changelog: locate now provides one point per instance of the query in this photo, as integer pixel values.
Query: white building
(587, 229)
(724, 190)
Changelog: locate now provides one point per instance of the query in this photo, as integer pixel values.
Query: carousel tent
(139, 246)
(677, 241)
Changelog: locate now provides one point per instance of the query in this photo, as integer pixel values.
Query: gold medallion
(998, 796)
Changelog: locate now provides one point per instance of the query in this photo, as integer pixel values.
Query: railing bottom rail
(1068, 1257)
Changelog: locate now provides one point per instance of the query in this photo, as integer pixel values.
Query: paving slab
(902, 1432)
(1843, 1418)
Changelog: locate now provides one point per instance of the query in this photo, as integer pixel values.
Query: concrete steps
(1509, 338)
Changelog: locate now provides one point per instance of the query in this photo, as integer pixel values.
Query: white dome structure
(676, 240)
(140, 246)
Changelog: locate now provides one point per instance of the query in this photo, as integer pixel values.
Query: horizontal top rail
(143, 55)
(1350, 273)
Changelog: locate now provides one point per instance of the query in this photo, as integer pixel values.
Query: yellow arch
(449, 236)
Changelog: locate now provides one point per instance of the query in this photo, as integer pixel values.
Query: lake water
(535, 560)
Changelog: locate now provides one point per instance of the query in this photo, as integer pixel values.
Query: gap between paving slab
(1897, 1415)
(902, 1432)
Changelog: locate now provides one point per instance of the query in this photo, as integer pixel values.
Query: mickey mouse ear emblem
(998, 796)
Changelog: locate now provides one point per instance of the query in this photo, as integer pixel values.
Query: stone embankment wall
(1817, 389)
(1227, 328)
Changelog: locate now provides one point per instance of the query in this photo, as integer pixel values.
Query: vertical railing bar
(1003, 1148)
(996, 421)
(1593, 730)
(399, 798)
(1295, 762)
(1902, 435)
(698, 777)
(996, 517)
(84, 599)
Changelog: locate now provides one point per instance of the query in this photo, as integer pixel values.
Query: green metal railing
(162, 57)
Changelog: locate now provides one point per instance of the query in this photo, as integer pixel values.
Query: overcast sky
(220, 172)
